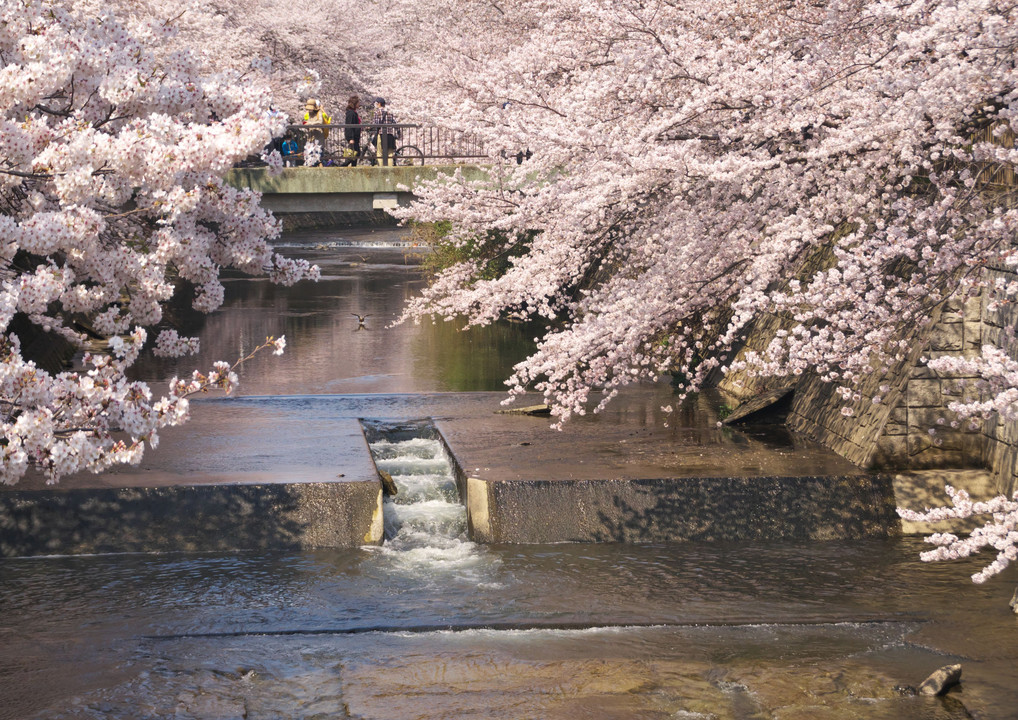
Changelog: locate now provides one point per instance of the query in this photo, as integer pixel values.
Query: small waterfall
(426, 510)
(425, 523)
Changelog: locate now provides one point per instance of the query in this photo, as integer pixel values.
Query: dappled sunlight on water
(673, 629)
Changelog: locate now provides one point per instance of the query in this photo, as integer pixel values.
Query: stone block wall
(911, 427)
(739, 386)
(999, 322)
(916, 430)
(919, 434)
(817, 413)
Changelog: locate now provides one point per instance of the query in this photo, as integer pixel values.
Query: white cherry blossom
(114, 137)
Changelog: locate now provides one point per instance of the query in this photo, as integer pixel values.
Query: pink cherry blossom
(115, 133)
(695, 167)
(1000, 532)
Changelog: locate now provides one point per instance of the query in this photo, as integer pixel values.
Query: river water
(431, 625)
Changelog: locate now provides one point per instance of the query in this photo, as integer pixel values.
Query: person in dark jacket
(386, 135)
(351, 135)
(290, 150)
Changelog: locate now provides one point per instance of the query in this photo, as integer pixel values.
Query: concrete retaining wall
(193, 518)
(705, 509)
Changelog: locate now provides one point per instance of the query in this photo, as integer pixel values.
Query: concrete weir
(261, 475)
(189, 518)
(563, 502)
(669, 509)
(601, 482)
(296, 472)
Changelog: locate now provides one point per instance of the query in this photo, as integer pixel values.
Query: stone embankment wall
(911, 427)
(1000, 446)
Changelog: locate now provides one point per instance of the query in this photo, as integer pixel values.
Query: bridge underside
(281, 203)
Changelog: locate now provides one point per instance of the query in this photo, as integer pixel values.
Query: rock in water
(940, 681)
(388, 484)
(1014, 602)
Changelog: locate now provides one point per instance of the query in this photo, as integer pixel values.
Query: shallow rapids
(443, 629)
(425, 523)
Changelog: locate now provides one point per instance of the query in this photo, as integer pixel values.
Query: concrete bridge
(341, 190)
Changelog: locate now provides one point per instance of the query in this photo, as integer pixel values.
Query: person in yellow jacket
(314, 114)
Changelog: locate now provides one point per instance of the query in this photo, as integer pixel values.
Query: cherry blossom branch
(111, 194)
(804, 118)
(999, 533)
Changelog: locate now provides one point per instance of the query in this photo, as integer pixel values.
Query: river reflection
(328, 350)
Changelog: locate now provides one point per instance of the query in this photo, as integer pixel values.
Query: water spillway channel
(425, 522)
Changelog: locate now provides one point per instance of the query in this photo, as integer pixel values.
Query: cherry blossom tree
(343, 42)
(698, 165)
(690, 158)
(113, 143)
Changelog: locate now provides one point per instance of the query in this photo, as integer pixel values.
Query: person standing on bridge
(352, 135)
(386, 133)
(290, 150)
(314, 114)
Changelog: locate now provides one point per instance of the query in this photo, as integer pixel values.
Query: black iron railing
(414, 144)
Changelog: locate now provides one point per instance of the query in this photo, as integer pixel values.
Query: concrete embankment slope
(295, 472)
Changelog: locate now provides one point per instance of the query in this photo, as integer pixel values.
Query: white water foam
(425, 524)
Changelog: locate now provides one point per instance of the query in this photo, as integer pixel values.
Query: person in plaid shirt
(386, 135)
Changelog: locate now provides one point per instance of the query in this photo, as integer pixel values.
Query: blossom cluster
(1000, 532)
(310, 85)
(997, 385)
(312, 153)
(694, 166)
(169, 343)
(114, 138)
(316, 50)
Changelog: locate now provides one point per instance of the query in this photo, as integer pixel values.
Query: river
(432, 625)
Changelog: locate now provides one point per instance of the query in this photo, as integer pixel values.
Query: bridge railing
(437, 145)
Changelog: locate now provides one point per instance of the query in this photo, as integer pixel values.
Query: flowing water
(444, 628)
(431, 625)
(425, 523)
